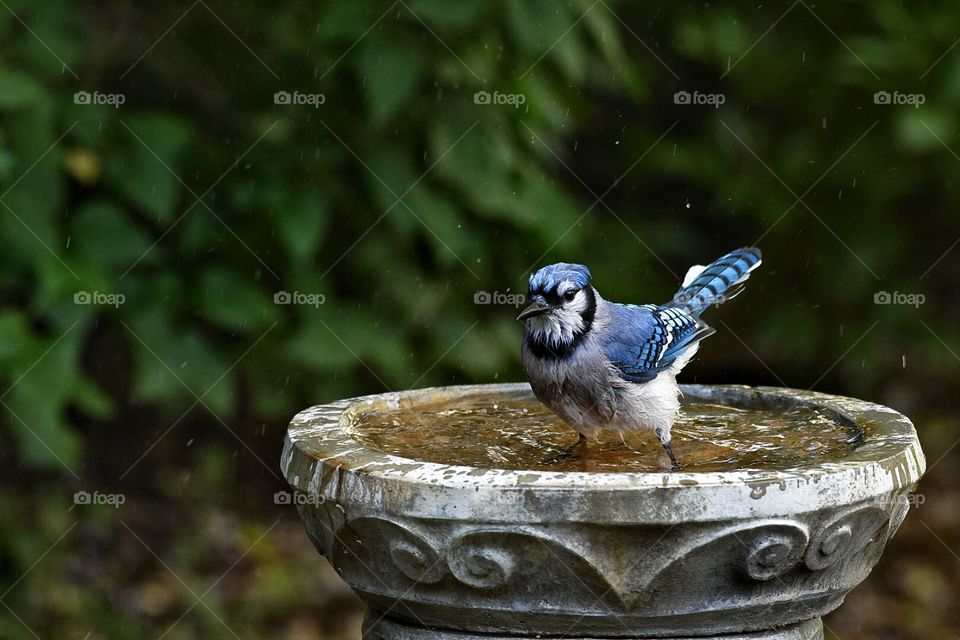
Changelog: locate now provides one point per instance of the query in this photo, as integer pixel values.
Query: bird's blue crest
(548, 278)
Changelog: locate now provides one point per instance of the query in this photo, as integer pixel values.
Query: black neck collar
(547, 351)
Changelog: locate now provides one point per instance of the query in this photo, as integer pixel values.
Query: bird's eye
(570, 295)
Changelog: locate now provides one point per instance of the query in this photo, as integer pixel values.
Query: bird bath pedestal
(466, 553)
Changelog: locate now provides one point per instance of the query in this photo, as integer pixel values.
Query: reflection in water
(491, 431)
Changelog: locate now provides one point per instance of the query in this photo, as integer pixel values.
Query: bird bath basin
(438, 508)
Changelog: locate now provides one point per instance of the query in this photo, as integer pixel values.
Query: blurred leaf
(301, 226)
(45, 382)
(345, 19)
(177, 363)
(442, 226)
(15, 334)
(234, 303)
(95, 227)
(450, 14)
(926, 130)
(391, 174)
(538, 25)
(147, 172)
(19, 89)
(391, 72)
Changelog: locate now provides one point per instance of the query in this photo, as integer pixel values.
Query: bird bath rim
(887, 460)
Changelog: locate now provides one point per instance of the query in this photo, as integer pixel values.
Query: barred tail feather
(717, 282)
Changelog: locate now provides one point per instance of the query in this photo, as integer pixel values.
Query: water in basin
(517, 432)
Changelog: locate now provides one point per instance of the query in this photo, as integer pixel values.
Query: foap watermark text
(99, 298)
(114, 500)
(296, 497)
(696, 98)
(912, 299)
(895, 97)
(96, 98)
(299, 297)
(296, 98)
(499, 297)
(512, 99)
(913, 500)
(714, 300)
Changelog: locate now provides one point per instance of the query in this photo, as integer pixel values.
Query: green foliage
(198, 199)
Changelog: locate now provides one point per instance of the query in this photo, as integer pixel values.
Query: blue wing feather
(647, 339)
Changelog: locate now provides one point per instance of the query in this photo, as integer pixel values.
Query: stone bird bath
(459, 552)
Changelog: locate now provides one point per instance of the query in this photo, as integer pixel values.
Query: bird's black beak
(535, 309)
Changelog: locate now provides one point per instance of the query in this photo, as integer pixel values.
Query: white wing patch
(666, 344)
(692, 274)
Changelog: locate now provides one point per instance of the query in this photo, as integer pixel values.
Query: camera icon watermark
(296, 498)
(296, 98)
(99, 298)
(696, 98)
(912, 299)
(96, 98)
(298, 297)
(896, 98)
(499, 297)
(512, 99)
(83, 498)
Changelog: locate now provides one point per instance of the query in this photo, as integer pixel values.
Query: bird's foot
(567, 453)
(563, 456)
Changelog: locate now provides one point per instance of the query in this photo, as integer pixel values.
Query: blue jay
(600, 364)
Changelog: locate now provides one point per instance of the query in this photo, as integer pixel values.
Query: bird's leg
(566, 453)
(674, 465)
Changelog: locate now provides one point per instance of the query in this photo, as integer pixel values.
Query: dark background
(397, 199)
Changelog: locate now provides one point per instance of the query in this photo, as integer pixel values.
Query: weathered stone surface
(598, 555)
(384, 629)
